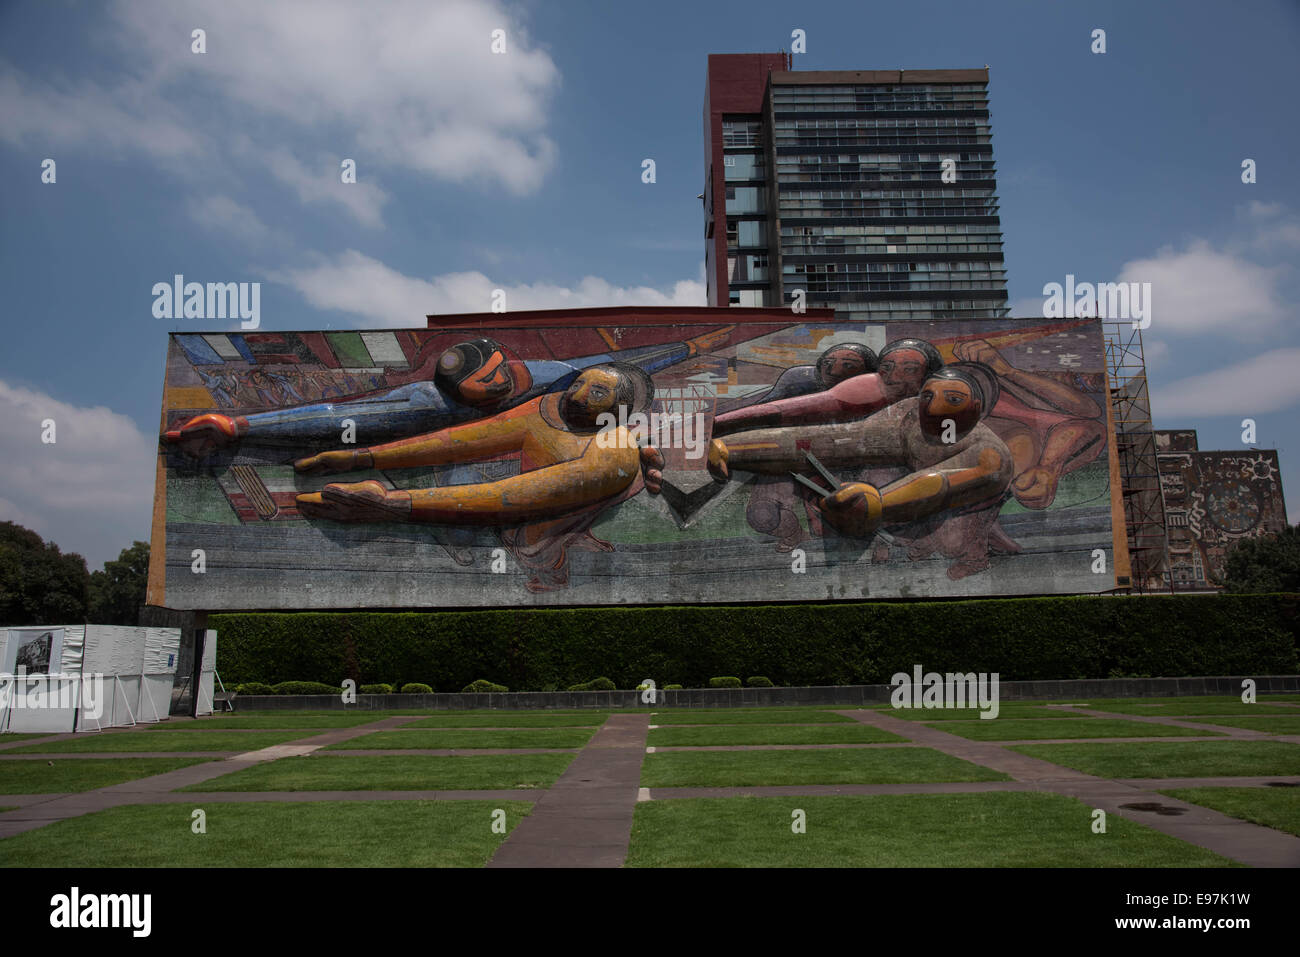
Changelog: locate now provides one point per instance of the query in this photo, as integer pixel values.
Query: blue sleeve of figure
(409, 409)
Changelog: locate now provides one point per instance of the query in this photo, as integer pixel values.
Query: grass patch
(1178, 707)
(1278, 808)
(323, 834)
(1159, 759)
(1016, 730)
(81, 774)
(127, 741)
(758, 768)
(397, 773)
(497, 719)
(1281, 724)
(524, 738)
(1012, 829)
(259, 722)
(769, 734)
(763, 716)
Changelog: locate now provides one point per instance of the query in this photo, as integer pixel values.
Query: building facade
(872, 191)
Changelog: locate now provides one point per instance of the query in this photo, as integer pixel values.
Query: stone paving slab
(585, 818)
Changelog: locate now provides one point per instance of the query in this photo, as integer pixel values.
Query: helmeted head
(904, 365)
(844, 361)
(951, 403)
(476, 372)
(600, 389)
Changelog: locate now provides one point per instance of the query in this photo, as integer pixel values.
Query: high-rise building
(872, 191)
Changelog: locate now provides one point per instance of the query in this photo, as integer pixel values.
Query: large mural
(716, 456)
(1212, 500)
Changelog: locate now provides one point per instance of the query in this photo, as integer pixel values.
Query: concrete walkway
(585, 818)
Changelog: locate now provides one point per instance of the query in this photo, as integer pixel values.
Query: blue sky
(523, 171)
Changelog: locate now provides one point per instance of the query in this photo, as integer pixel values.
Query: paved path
(1226, 836)
(585, 818)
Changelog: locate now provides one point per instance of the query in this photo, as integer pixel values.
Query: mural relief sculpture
(563, 458)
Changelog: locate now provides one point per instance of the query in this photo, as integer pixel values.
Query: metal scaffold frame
(1144, 508)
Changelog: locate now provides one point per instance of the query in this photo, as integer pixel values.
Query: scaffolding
(1144, 510)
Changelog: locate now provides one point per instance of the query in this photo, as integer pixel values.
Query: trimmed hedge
(416, 687)
(758, 681)
(254, 687)
(376, 689)
(724, 682)
(305, 687)
(483, 686)
(826, 644)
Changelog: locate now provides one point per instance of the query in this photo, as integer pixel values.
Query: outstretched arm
(851, 399)
(480, 439)
(873, 441)
(979, 472)
(1034, 389)
(599, 474)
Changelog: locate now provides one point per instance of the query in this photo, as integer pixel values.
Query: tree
(118, 591)
(39, 585)
(1267, 564)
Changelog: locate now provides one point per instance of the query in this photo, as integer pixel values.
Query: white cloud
(234, 220)
(91, 491)
(404, 84)
(1256, 386)
(1201, 289)
(381, 296)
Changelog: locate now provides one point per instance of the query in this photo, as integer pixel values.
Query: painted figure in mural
(837, 363)
(566, 479)
(1050, 427)
(953, 460)
(775, 501)
(469, 380)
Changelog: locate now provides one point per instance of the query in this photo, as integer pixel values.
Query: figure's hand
(203, 433)
(718, 461)
(342, 460)
(981, 350)
(652, 463)
(855, 509)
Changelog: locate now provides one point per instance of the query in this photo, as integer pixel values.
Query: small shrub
(672, 687)
(305, 687)
(581, 687)
(254, 687)
(758, 681)
(376, 689)
(416, 687)
(724, 682)
(484, 687)
(601, 684)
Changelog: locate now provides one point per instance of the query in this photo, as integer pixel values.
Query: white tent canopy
(99, 676)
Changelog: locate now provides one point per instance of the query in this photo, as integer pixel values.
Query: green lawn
(1015, 730)
(325, 834)
(849, 766)
(397, 773)
(524, 738)
(1272, 807)
(1012, 829)
(1006, 711)
(764, 716)
(510, 719)
(1159, 759)
(7, 807)
(1178, 707)
(81, 774)
(128, 741)
(769, 734)
(1279, 724)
